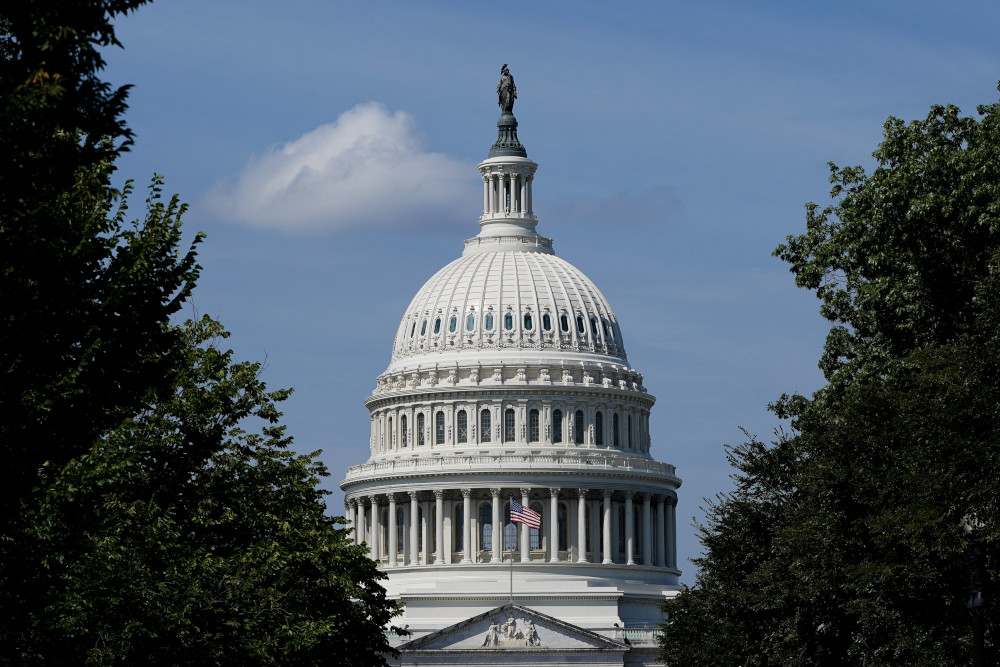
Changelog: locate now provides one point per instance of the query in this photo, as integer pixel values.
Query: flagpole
(511, 505)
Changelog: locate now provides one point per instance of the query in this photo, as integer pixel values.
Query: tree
(141, 523)
(845, 533)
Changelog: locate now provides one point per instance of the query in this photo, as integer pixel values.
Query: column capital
(524, 491)
(607, 494)
(645, 495)
(672, 500)
(628, 494)
(391, 496)
(412, 494)
(495, 492)
(438, 494)
(466, 493)
(582, 493)
(554, 491)
(373, 497)
(353, 502)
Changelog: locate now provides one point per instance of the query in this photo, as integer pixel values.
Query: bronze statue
(506, 91)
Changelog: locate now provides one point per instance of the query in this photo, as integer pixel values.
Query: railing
(639, 636)
(430, 462)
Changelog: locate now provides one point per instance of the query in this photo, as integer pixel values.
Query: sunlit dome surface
(522, 299)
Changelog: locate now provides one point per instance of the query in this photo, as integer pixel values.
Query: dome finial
(507, 142)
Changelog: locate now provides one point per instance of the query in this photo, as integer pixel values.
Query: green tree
(846, 532)
(141, 523)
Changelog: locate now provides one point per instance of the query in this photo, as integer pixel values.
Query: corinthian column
(360, 525)
(606, 533)
(497, 527)
(414, 527)
(466, 525)
(553, 525)
(374, 547)
(439, 526)
(393, 532)
(629, 530)
(525, 544)
(647, 530)
(661, 529)
(581, 525)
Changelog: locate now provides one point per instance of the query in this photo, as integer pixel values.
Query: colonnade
(647, 537)
(507, 193)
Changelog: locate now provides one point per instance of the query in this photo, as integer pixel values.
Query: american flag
(521, 514)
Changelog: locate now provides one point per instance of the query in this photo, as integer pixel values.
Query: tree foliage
(845, 533)
(145, 520)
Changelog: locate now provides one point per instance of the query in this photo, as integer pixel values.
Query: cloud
(367, 168)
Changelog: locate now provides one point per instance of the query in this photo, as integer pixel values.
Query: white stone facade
(509, 379)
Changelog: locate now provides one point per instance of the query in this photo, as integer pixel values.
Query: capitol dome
(508, 383)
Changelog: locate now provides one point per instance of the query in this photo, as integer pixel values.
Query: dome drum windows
(527, 322)
(557, 419)
(439, 428)
(421, 437)
(453, 324)
(533, 430)
(484, 425)
(470, 322)
(578, 427)
(546, 322)
(508, 321)
(463, 427)
(437, 325)
(509, 427)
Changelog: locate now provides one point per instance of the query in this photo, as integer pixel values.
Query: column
(359, 527)
(525, 543)
(425, 533)
(404, 548)
(352, 516)
(661, 529)
(486, 195)
(629, 530)
(595, 530)
(497, 527)
(647, 529)
(530, 196)
(672, 535)
(392, 530)
(374, 534)
(606, 546)
(524, 193)
(581, 525)
(553, 525)
(466, 525)
(414, 527)
(439, 526)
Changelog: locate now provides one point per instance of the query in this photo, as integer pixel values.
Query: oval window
(470, 322)
(579, 323)
(607, 332)
(423, 327)
(453, 324)
(489, 321)
(546, 322)
(437, 325)
(413, 329)
(508, 321)
(593, 326)
(527, 321)
(564, 322)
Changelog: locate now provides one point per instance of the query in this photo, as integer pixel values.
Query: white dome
(523, 299)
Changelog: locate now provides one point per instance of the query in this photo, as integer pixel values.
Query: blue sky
(328, 150)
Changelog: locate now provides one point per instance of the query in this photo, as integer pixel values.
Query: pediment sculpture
(508, 635)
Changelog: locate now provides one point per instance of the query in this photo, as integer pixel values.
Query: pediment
(512, 627)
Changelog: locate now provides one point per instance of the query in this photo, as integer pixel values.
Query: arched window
(628, 430)
(535, 534)
(470, 322)
(413, 329)
(593, 326)
(564, 322)
(458, 528)
(509, 530)
(484, 425)
(579, 324)
(546, 322)
(563, 528)
(509, 432)
(578, 427)
(453, 323)
(392, 435)
(404, 423)
(599, 428)
(533, 426)
(527, 321)
(439, 428)
(614, 430)
(489, 321)
(463, 426)
(607, 332)
(420, 429)
(423, 327)
(557, 426)
(486, 526)
(508, 321)
(437, 325)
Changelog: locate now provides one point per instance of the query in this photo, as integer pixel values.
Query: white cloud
(366, 168)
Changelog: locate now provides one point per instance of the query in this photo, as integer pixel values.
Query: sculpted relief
(508, 635)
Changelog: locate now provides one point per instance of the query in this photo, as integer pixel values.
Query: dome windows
(578, 427)
(453, 324)
(546, 322)
(470, 322)
(508, 321)
(420, 430)
(423, 327)
(564, 322)
(484, 425)
(463, 426)
(437, 325)
(413, 329)
(527, 322)
(489, 321)
(579, 324)
(439, 428)
(557, 425)
(599, 428)
(533, 426)
(593, 327)
(509, 429)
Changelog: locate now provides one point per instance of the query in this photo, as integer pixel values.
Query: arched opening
(628, 430)
(557, 426)
(437, 325)
(509, 430)
(614, 430)
(533, 426)
(421, 429)
(508, 321)
(578, 427)
(453, 323)
(404, 423)
(463, 426)
(527, 322)
(439, 428)
(486, 526)
(599, 428)
(484, 425)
